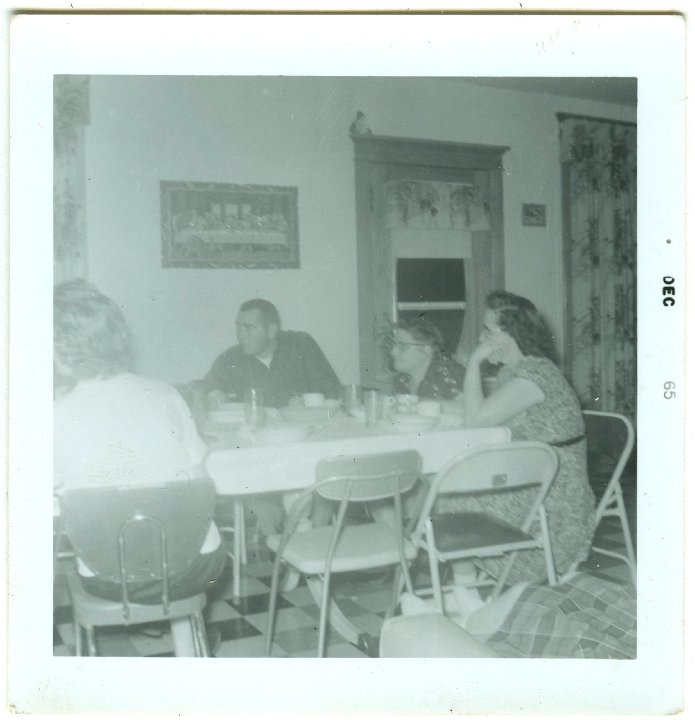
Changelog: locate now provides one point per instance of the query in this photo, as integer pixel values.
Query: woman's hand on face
(496, 348)
(483, 351)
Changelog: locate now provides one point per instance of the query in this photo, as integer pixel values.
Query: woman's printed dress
(443, 380)
(570, 502)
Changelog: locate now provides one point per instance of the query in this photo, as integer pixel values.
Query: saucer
(406, 422)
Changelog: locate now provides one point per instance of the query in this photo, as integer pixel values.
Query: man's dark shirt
(298, 366)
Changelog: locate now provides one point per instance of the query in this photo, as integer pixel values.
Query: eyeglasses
(404, 345)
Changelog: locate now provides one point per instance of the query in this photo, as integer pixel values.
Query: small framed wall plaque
(215, 225)
(533, 215)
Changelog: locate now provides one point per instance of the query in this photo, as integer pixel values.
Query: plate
(231, 407)
(280, 435)
(226, 417)
(358, 413)
(308, 414)
(406, 422)
(446, 420)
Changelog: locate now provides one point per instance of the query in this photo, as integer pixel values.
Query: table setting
(262, 449)
(313, 416)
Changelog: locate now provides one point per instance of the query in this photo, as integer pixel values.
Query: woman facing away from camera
(114, 428)
(535, 401)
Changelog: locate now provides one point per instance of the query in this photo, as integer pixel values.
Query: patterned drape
(70, 115)
(599, 160)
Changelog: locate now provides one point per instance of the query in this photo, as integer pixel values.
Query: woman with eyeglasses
(534, 400)
(422, 366)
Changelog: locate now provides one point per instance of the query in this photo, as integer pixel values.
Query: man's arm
(320, 374)
(222, 378)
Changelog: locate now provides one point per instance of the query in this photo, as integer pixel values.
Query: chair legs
(91, 642)
(197, 629)
(434, 568)
(272, 604)
(629, 557)
(238, 554)
(547, 547)
(200, 638)
(77, 629)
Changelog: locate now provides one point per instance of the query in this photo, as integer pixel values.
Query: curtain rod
(572, 116)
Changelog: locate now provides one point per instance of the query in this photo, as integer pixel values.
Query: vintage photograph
(358, 372)
(403, 446)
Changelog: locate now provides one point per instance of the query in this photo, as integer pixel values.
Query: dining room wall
(293, 131)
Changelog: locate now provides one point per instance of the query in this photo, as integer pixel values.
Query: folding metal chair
(340, 548)
(610, 442)
(484, 471)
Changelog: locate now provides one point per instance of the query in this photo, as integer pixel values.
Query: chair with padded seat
(483, 471)
(341, 548)
(137, 538)
(610, 442)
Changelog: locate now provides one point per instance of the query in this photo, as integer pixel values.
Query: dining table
(282, 457)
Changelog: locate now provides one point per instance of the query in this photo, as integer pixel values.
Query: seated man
(278, 362)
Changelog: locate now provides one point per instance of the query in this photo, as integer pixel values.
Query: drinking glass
(373, 407)
(254, 410)
(351, 396)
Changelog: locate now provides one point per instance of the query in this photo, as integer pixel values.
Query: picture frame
(533, 215)
(221, 225)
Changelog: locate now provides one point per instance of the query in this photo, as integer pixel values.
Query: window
(433, 288)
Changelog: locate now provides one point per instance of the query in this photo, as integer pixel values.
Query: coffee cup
(406, 403)
(429, 408)
(313, 399)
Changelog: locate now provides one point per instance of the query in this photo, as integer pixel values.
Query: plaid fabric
(586, 617)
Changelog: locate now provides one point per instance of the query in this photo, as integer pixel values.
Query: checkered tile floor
(242, 621)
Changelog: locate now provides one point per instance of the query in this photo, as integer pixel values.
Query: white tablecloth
(292, 466)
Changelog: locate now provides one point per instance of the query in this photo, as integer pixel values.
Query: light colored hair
(90, 335)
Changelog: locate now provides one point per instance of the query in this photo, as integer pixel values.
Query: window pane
(430, 280)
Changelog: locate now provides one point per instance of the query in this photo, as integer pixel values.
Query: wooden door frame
(374, 152)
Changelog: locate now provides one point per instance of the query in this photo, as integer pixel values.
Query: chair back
(139, 534)
(610, 439)
(495, 468)
(363, 478)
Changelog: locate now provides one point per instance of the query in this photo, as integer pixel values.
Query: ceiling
(620, 91)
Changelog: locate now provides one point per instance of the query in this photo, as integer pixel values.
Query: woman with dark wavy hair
(114, 428)
(536, 402)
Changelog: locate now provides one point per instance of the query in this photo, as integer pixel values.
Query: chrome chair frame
(612, 503)
(90, 611)
(485, 478)
(351, 487)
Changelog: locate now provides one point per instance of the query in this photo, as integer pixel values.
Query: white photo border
(600, 45)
